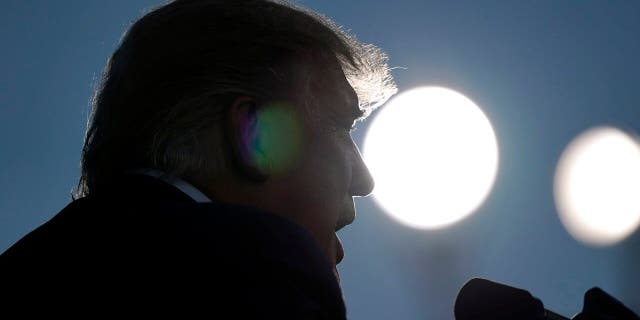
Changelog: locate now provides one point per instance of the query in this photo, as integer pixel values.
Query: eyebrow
(352, 99)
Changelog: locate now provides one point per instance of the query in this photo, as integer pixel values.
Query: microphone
(481, 299)
(600, 305)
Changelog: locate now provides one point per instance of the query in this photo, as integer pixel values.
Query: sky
(542, 72)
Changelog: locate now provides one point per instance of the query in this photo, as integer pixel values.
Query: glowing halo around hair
(433, 155)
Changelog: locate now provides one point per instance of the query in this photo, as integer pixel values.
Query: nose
(361, 180)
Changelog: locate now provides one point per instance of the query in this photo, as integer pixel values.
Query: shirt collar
(182, 185)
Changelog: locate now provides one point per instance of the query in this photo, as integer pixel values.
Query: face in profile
(317, 191)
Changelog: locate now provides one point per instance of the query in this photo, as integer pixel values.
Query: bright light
(433, 155)
(597, 186)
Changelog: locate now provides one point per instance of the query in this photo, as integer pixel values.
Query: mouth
(345, 219)
(339, 256)
(339, 249)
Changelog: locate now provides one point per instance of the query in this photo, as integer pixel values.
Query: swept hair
(165, 90)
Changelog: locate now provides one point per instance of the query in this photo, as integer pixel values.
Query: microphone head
(481, 299)
(600, 305)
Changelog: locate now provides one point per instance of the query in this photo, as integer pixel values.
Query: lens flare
(278, 138)
(597, 186)
(433, 155)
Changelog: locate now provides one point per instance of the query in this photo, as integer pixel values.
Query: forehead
(335, 94)
(321, 85)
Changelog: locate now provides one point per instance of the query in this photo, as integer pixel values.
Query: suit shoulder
(44, 239)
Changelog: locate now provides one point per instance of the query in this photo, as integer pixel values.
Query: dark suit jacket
(144, 244)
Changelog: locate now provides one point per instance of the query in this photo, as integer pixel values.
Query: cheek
(332, 169)
(323, 172)
(322, 181)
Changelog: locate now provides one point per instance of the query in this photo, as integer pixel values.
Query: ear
(244, 135)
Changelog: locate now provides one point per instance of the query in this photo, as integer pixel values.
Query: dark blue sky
(543, 71)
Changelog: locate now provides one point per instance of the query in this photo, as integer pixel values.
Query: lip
(339, 249)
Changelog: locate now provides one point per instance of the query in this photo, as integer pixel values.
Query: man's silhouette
(217, 167)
